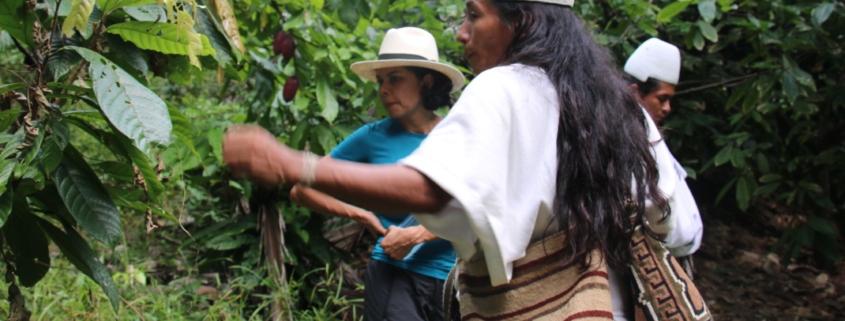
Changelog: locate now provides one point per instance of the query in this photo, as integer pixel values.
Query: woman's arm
(254, 152)
(328, 205)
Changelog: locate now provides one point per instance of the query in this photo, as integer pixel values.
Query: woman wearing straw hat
(406, 274)
(539, 176)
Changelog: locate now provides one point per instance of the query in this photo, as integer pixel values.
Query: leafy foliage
(121, 105)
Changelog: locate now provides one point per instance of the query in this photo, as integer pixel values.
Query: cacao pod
(278, 40)
(291, 86)
(288, 47)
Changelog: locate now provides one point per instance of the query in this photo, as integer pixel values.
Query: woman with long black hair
(533, 176)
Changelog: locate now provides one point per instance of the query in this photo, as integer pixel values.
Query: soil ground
(741, 280)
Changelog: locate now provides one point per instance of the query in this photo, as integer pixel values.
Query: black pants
(394, 294)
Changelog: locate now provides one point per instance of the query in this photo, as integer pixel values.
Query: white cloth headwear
(656, 59)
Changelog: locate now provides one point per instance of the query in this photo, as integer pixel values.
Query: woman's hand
(254, 152)
(371, 222)
(398, 242)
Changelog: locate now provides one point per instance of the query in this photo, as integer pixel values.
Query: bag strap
(451, 306)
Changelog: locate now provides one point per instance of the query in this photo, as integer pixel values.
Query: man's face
(656, 103)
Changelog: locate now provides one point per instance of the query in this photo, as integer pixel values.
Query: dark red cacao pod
(291, 86)
(288, 47)
(278, 40)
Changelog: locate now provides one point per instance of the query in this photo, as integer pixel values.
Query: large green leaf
(51, 154)
(62, 61)
(672, 10)
(108, 5)
(27, 242)
(7, 167)
(133, 108)
(182, 130)
(148, 12)
(708, 31)
(17, 21)
(822, 12)
(216, 39)
(327, 99)
(155, 190)
(128, 54)
(707, 9)
(78, 17)
(6, 206)
(86, 198)
(157, 36)
(79, 252)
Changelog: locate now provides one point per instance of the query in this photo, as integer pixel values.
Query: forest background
(114, 201)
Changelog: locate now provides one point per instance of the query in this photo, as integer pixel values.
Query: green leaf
(216, 39)
(327, 100)
(318, 4)
(298, 134)
(7, 167)
(215, 139)
(155, 190)
(129, 53)
(78, 17)
(79, 252)
(770, 178)
(13, 86)
(766, 190)
(182, 130)
(708, 31)
(86, 198)
(823, 226)
(157, 36)
(120, 171)
(672, 10)
(62, 61)
(17, 21)
(790, 87)
(743, 197)
(147, 12)
(108, 5)
(724, 155)
(326, 138)
(225, 242)
(8, 117)
(51, 154)
(27, 242)
(822, 13)
(6, 201)
(707, 9)
(135, 110)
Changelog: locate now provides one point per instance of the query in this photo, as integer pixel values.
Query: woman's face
(399, 91)
(485, 36)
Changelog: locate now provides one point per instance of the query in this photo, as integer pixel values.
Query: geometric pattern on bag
(663, 291)
(541, 288)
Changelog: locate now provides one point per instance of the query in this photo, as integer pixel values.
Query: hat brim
(367, 69)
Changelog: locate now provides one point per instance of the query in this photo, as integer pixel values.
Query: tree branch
(728, 82)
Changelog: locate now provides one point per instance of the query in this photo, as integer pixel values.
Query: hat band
(401, 56)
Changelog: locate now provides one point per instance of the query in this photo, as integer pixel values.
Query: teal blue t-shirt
(386, 142)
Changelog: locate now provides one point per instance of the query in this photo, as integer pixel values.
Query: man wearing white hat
(654, 69)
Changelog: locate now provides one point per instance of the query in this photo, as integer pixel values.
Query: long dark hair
(602, 143)
(438, 95)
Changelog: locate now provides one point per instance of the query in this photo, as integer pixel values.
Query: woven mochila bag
(542, 288)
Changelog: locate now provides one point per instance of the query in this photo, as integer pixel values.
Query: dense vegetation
(112, 113)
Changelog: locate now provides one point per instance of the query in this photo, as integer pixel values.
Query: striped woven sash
(541, 288)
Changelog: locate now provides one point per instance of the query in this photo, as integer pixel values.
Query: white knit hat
(656, 59)
(408, 47)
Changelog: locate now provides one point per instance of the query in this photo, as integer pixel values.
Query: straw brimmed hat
(408, 47)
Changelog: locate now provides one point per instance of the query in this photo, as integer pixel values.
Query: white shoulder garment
(496, 155)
